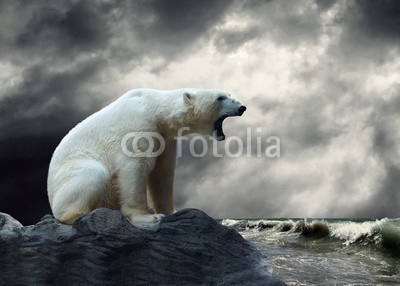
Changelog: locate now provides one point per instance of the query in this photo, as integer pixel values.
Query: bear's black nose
(242, 109)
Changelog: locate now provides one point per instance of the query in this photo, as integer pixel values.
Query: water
(328, 251)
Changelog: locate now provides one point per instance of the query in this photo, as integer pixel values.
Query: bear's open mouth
(219, 133)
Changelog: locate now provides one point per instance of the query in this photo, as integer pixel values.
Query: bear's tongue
(219, 134)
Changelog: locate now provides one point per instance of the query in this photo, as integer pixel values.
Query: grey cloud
(264, 103)
(251, 195)
(288, 22)
(386, 201)
(300, 122)
(192, 169)
(306, 123)
(284, 23)
(324, 4)
(230, 40)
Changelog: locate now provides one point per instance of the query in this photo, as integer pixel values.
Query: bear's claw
(147, 219)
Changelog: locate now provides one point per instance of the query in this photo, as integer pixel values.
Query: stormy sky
(323, 76)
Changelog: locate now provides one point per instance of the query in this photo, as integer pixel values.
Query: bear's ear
(188, 98)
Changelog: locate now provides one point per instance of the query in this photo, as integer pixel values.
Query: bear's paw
(147, 219)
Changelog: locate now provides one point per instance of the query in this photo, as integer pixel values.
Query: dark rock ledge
(103, 248)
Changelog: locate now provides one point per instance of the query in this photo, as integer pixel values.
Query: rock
(8, 222)
(103, 247)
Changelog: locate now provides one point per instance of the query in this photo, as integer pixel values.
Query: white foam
(351, 232)
(229, 222)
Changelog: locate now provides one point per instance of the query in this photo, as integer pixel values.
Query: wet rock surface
(104, 248)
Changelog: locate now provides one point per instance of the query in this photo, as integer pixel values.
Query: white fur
(89, 169)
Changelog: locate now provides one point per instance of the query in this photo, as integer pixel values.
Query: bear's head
(207, 109)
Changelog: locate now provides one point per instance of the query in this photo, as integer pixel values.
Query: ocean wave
(354, 232)
(391, 237)
(382, 233)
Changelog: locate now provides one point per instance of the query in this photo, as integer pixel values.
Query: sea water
(327, 251)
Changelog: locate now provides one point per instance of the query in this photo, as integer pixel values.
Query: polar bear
(90, 168)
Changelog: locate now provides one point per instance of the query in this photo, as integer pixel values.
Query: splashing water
(327, 251)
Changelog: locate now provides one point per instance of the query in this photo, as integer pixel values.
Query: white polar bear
(89, 168)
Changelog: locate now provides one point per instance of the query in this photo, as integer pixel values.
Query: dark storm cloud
(56, 34)
(78, 29)
(166, 29)
(52, 32)
(41, 100)
(33, 119)
(379, 20)
(369, 33)
(45, 101)
(183, 21)
(129, 31)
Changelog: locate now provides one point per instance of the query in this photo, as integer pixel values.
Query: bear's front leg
(132, 182)
(161, 180)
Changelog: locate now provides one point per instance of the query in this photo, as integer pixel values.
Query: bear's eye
(221, 98)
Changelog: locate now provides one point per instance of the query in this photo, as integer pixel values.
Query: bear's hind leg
(81, 189)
